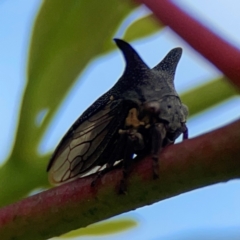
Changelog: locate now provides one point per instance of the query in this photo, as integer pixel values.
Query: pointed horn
(169, 63)
(133, 60)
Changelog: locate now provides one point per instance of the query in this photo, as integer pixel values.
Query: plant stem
(201, 161)
(215, 49)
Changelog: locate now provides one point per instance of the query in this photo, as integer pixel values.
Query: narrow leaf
(208, 95)
(142, 27)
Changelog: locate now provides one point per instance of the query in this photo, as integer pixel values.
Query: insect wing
(81, 148)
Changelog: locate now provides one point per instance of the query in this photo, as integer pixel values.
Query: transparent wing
(80, 149)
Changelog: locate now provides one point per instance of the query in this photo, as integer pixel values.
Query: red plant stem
(218, 51)
(201, 161)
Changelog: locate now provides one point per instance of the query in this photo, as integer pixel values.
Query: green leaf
(18, 179)
(103, 228)
(66, 36)
(142, 27)
(208, 95)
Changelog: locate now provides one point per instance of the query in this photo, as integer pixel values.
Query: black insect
(141, 114)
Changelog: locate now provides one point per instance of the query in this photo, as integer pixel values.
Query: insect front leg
(134, 142)
(125, 118)
(158, 133)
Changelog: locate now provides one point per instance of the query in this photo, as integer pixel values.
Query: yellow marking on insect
(132, 119)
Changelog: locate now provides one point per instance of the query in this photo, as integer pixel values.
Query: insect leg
(185, 132)
(134, 141)
(158, 135)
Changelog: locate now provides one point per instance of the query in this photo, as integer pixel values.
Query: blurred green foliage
(103, 228)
